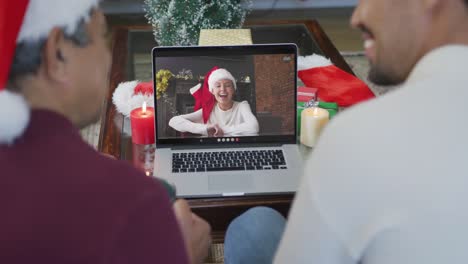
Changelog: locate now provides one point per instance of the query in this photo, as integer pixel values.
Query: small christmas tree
(178, 22)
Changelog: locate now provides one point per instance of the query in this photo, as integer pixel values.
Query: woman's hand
(195, 230)
(214, 131)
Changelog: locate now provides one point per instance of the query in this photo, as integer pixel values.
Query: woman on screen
(227, 117)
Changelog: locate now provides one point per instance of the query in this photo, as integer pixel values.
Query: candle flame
(144, 107)
(148, 173)
(316, 111)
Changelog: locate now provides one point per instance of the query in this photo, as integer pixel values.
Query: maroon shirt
(63, 202)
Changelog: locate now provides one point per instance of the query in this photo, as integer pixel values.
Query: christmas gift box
(221, 37)
(306, 94)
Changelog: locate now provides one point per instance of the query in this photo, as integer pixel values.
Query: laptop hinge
(253, 145)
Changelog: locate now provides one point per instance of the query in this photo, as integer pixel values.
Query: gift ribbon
(306, 94)
(311, 103)
(332, 108)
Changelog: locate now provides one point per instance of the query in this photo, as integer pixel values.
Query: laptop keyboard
(228, 161)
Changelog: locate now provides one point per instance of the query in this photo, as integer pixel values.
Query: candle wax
(313, 120)
(142, 123)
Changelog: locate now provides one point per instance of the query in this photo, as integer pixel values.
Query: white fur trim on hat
(312, 61)
(220, 74)
(14, 117)
(195, 88)
(125, 100)
(43, 15)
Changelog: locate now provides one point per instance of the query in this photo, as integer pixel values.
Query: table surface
(131, 46)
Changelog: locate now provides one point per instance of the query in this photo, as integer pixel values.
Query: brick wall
(274, 94)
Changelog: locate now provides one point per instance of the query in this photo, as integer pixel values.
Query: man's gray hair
(28, 54)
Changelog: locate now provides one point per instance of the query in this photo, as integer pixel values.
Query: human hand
(195, 230)
(215, 131)
(219, 131)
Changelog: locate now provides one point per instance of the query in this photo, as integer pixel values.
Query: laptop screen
(225, 95)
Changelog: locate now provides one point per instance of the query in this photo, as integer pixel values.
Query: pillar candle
(313, 120)
(142, 122)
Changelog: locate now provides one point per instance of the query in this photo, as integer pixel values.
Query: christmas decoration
(131, 95)
(142, 123)
(332, 109)
(221, 37)
(178, 22)
(306, 94)
(333, 84)
(162, 82)
(185, 74)
(313, 120)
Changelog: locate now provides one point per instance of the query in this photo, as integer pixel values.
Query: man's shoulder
(123, 177)
(95, 173)
(364, 121)
(359, 139)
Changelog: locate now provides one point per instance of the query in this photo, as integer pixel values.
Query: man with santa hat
(60, 200)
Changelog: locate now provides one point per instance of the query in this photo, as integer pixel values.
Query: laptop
(242, 143)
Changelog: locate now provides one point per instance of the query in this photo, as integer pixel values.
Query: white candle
(313, 120)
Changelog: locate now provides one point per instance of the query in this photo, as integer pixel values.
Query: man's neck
(39, 96)
(449, 27)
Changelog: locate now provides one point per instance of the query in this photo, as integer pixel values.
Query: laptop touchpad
(230, 182)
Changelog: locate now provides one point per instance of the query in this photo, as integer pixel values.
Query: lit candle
(313, 120)
(142, 122)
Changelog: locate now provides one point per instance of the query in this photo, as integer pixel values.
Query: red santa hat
(29, 20)
(204, 98)
(220, 74)
(130, 95)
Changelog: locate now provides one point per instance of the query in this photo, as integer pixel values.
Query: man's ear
(55, 62)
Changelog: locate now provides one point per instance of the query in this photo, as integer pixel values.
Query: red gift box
(305, 94)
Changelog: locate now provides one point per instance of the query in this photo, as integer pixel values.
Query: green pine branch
(178, 22)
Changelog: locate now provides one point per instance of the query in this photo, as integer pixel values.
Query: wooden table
(133, 42)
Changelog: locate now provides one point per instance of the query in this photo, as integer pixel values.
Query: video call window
(251, 95)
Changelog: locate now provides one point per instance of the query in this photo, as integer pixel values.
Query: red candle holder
(142, 122)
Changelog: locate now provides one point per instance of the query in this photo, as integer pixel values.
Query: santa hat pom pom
(122, 94)
(14, 116)
(312, 61)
